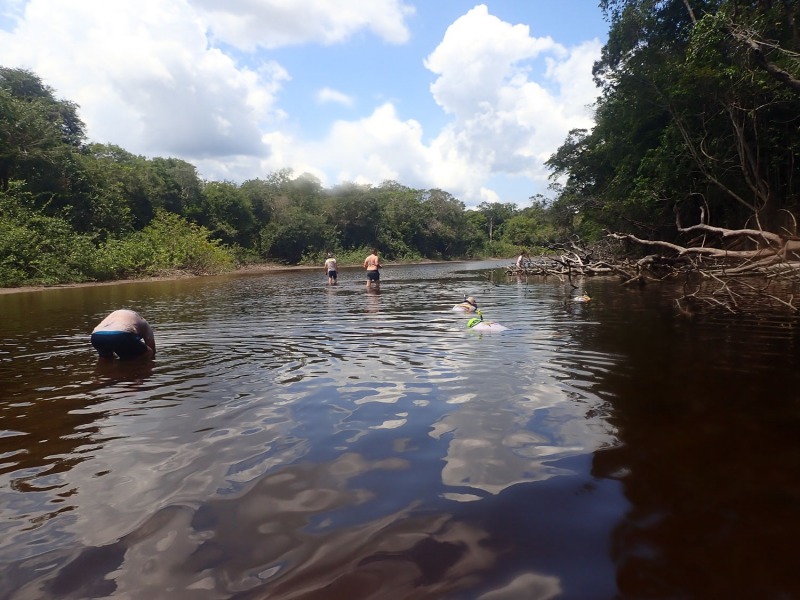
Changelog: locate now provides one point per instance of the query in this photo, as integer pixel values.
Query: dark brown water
(297, 441)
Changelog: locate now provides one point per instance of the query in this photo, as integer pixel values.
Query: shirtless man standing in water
(372, 264)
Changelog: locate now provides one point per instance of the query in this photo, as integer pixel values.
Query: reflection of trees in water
(709, 464)
(373, 300)
(115, 371)
(49, 433)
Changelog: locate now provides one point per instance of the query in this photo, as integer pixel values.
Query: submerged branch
(770, 256)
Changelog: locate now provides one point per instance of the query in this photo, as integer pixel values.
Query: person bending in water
(330, 269)
(126, 334)
(373, 264)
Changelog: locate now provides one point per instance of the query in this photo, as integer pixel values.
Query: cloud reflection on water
(276, 451)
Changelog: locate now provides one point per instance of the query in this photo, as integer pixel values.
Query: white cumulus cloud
(505, 120)
(327, 94)
(247, 25)
(145, 77)
(192, 79)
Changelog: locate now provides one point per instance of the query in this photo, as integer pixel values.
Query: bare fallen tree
(734, 144)
(743, 266)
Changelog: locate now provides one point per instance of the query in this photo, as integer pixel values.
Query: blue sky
(469, 97)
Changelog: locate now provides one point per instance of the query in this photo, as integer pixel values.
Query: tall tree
(225, 211)
(403, 220)
(699, 110)
(37, 133)
(354, 214)
(176, 186)
(264, 194)
(496, 213)
(447, 224)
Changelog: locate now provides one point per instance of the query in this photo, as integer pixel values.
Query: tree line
(694, 154)
(698, 121)
(73, 210)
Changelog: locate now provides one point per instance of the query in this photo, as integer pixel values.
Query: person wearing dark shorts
(373, 264)
(330, 269)
(126, 334)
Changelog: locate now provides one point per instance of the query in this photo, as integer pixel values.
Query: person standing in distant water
(373, 264)
(126, 334)
(521, 259)
(330, 269)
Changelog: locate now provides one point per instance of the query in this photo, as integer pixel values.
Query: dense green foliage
(71, 210)
(700, 107)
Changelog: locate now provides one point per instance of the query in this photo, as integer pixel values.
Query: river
(296, 440)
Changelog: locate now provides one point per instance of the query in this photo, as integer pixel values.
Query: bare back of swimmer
(126, 334)
(373, 264)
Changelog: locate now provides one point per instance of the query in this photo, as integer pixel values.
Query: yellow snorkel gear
(475, 320)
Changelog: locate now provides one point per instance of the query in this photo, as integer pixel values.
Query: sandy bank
(246, 270)
(255, 269)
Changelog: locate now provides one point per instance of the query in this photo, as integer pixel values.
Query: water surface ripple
(294, 440)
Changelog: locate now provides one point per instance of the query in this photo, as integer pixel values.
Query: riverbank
(253, 269)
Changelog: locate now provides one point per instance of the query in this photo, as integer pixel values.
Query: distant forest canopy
(71, 210)
(698, 118)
